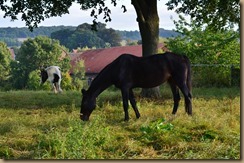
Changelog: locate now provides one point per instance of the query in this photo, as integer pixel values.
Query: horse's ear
(83, 91)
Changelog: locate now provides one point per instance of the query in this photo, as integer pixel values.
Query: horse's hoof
(126, 119)
(138, 116)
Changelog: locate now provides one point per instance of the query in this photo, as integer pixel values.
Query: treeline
(218, 50)
(15, 36)
(82, 34)
(24, 32)
(135, 35)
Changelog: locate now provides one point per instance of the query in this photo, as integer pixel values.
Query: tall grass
(42, 125)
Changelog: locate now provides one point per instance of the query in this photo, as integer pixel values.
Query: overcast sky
(120, 20)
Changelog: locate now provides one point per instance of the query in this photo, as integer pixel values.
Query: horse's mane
(102, 72)
(103, 77)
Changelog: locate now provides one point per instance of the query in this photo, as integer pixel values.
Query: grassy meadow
(43, 125)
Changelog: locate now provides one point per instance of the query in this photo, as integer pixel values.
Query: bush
(211, 75)
(33, 82)
(66, 82)
(215, 75)
(78, 74)
(216, 49)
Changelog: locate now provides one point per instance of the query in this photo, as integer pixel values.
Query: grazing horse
(52, 74)
(128, 72)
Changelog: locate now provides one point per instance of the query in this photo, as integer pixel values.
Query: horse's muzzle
(84, 117)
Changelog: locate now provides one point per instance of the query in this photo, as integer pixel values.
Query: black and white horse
(53, 74)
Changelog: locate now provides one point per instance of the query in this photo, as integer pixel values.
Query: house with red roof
(12, 53)
(96, 59)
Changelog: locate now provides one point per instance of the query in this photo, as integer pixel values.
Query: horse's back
(170, 56)
(137, 71)
(177, 63)
(53, 73)
(176, 58)
(157, 61)
(148, 71)
(53, 69)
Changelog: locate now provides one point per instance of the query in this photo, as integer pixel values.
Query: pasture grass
(43, 125)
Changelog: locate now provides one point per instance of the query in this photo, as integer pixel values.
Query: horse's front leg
(133, 103)
(125, 96)
(176, 96)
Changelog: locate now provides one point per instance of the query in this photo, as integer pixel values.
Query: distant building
(95, 60)
(12, 53)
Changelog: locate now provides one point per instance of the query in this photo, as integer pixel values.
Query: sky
(120, 20)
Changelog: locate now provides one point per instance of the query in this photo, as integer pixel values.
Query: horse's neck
(98, 86)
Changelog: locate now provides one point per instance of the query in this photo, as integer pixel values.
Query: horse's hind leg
(187, 96)
(59, 87)
(54, 87)
(133, 103)
(125, 96)
(176, 96)
(57, 82)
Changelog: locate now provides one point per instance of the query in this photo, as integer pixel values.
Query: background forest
(215, 56)
(15, 36)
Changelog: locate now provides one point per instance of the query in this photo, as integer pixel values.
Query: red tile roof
(96, 60)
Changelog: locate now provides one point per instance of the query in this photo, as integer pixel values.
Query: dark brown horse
(128, 72)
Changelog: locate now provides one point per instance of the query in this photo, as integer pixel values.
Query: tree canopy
(217, 13)
(203, 46)
(5, 59)
(83, 36)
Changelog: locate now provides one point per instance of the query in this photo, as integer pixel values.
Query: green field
(43, 125)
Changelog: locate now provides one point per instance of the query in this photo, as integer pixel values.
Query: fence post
(231, 75)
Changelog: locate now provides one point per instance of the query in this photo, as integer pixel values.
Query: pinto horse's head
(44, 75)
(88, 104)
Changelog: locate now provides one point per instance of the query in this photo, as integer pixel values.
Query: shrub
(33, 82)
(66, 82)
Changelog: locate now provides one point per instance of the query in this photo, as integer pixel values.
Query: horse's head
(88, 104)
(44, 75)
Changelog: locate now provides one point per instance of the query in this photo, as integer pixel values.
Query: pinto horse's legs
(133, 103)
(176, 96)
(125, 96)
(54, 87)
(59, 87)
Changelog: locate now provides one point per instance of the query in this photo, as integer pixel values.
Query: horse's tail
(188, 79)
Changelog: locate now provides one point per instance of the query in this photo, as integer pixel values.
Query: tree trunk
(148, 21)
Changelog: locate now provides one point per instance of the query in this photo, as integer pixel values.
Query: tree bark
(148, 21)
